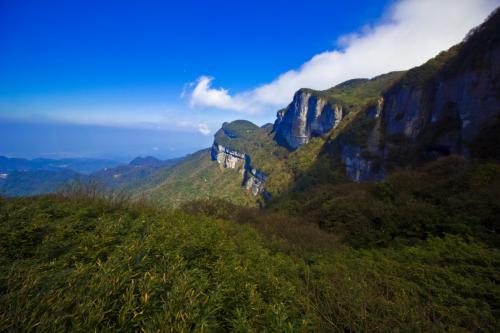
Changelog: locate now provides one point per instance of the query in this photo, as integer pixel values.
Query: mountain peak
(145, 161)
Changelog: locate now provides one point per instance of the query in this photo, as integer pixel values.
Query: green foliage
(72, 266)
(356, 94)
(443, 285)
(84, 262)
(35, 182)
(447, 196)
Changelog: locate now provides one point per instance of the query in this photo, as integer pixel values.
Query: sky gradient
(125, 78)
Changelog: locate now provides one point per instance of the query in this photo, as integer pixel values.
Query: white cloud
(411, 32)
(203, 129)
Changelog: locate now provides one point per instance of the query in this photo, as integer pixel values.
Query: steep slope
(196, 177)
(440, 108)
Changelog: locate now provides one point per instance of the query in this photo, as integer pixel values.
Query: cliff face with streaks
(308, 115)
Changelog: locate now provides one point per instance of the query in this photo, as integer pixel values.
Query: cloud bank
(411, 32)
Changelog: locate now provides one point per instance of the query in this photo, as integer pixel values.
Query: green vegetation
(358, 93)
(449, 196)
(418, 252)
(246, 137)
(79, 265)
(196, 177)
(35, 182)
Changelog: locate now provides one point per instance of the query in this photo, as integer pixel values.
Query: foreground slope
(88, 264)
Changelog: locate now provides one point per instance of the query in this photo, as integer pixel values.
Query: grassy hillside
(447, 196)
(88, 264)
(196, 177)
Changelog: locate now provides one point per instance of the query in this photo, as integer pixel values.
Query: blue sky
(76, 70)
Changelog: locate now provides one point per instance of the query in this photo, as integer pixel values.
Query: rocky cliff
(231, 149)
(399, 119)
(228, 158)
(372, 126)
(440, 108)
(309, 114)
(253, 179)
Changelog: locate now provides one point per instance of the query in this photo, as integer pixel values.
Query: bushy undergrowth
(428, 261)
(73, 266)
(450, 196)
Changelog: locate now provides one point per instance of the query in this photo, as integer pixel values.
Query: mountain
(35, 182)
(21, 177)
(81, 165)
(146, 161)
(195, 177)
(365, 129)
(133, 175)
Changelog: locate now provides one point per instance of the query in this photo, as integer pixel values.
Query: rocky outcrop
(362, 163)
(253, 179)
(228, 158)
(358, 166)
(308, 115)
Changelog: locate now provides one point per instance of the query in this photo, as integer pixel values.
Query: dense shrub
(446, 196)
(71, 266)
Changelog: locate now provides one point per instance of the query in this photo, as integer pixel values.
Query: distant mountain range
(80, 165)
(22, 177)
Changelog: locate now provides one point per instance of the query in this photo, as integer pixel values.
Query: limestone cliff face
(228, 158)
(446, 113)
(360, 161)
(253, 179)
(437, 109)
(308, 115)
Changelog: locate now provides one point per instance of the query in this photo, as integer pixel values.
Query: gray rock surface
(308, 115)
